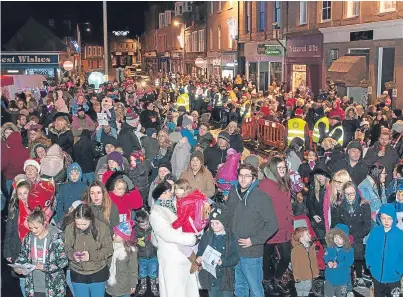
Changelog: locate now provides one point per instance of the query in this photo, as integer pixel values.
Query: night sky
(121, 16)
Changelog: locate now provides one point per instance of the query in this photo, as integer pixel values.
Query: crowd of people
(127, 188)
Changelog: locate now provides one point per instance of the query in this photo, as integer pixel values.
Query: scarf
(167, 204)
(23, 229)
(119, 253)
(351, 208)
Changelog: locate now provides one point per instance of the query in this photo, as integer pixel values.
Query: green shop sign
(269, 50)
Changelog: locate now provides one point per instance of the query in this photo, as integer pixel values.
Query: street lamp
(176, 23)
(79, 43)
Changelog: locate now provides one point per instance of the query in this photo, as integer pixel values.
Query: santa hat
(299, 112)
(124, 229)
(31, 162)
(138, 155)
(41, 194)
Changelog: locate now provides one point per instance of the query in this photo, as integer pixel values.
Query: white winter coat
(175, 279)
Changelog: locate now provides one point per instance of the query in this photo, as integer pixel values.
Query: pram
(317, 284)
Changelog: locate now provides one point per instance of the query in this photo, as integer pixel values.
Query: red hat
(138, 155)
(299, 112)
(41, 194)
(289, 104)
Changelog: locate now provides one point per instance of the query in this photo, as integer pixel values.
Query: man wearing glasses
(253, 222)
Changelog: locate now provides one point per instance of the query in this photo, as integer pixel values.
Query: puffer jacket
(304, 262)
(180, 158)
(205, 140)
(139, 176)
(236, 142)
(214, 156)
(63, 138)
(128, 140)
(144, 245)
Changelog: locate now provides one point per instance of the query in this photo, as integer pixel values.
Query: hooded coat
(180, 158)
(84, 152)
(13, 156)
(343, 256)
(228, 172)
(69, 192)
(63, 138)
(350, 125)
(370, 192)
(384, 250)
(205, 140)
(214, 156)
(128, 140)
(304, 261)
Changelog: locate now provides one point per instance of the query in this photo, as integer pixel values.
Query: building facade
(124, 51)
(149, 46)
(92, 58)
(222, 31)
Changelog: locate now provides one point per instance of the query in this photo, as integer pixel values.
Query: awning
(348, 70)
(6, 80)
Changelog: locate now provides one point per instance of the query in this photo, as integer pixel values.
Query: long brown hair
(106, 200)
(284, 183)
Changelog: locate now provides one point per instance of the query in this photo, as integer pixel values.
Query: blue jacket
(384, 250)
(344, 256)
(68, 193)
(370, 193)
(190, 136)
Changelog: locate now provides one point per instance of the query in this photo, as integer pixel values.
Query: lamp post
(176, 23)
(79, 44)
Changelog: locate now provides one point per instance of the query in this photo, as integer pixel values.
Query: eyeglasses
(247, 176)
(338, 182)
(281, 167)
(350, 194)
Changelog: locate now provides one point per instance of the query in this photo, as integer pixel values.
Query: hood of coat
(351, 108)
(14, 140)
(192, 196)
(337, 231)
(388, 209)
(8, 126)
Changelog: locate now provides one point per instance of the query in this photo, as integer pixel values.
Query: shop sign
(175, 55)
(269, 50)
(299, 68)
(118, 53)
(216, 62)
(362, 35)
(228, 59)
(29, 59)
(309, 46)
(166, 54)
(150, 54)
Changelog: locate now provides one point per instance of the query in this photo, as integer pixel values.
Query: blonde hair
(328, 143)
(317, 185)
(106, 200)
(343, 177)
(167, 142)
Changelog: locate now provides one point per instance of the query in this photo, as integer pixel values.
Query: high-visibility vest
(316, 133)
(245, 111)
(183, 100)
(341, 138)
(296, 128)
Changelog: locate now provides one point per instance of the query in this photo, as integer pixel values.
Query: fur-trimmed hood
(6, 126)
(338, 231)
(347, 111)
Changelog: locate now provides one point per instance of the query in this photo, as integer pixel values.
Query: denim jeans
(249, 277)
(148, 267)
(216, 292)
(69, 283)
(89, 290)
(88, 178)
(22, 285)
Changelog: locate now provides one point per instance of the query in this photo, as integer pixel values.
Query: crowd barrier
(265, 132)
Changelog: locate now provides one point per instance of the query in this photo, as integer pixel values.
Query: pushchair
(317, 284)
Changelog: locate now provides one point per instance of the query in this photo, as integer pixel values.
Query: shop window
(333, 56)
(277, 13)
(247, 8)
(252, 71)
(353, 9)
(201, 40)
(387, 6)
(326, 10)
(262, 11)
(303, 12)
(386, 67)
(276, 71)
(219, 37)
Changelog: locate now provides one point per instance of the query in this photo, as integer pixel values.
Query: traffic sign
(96, 78)
(68, 65)
(199, 62)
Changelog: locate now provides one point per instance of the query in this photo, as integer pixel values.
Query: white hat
(31, 162)
(76, 203)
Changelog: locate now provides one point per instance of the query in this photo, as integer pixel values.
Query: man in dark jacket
(253, 223)
(84, 154)
(382, 152)
(217, 154)
(127, 139)
(353, 164)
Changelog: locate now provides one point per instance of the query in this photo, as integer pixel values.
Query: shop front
(228, 64)
(165, 62)
(304, 62)
(190, 65)
(31, 63)
(373, 52)
(150, 62)
(214, 64)
(264, 63)
(177, 62)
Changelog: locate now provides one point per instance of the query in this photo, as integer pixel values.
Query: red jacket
(128, 202)
(283, 209)
(13, 156)
(184, 212)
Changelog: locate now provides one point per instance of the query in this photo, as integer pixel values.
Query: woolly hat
(218, 214)
(107, 139)
(117, 157)
(182, 108)
(53, 163)
(199, 155)
(354, 144)
(321, 169)
(31, 162)
(138, 155)
(74, 167)
(132, 118)
(124, 229)
(187, 121)
(343, 228)
(334, 117)
(175, 136)
(252, 160)
(160, 189)
(397, 112)
(151, 131)
(76, 203)
(166, 165)
(299, 112)
(41, 195)
(224, 135)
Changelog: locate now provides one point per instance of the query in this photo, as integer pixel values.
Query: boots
(154, 287)
(143, 287)
(194, 266)
(269, 287)
(281, 288)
